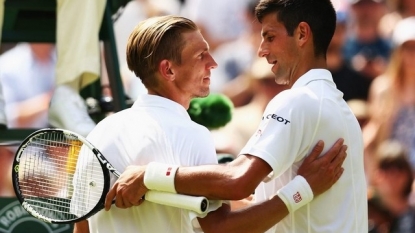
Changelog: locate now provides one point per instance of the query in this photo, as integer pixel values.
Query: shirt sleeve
(285, 132)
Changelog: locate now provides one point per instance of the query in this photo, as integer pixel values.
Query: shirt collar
(147, 100)
(313, 75)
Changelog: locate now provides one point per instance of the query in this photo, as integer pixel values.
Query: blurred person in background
(3, 123)
(365, 50)
(398, 9)
(236, 56)
(245, 119)
(220, 21)
(359, 109)
(78, 64)
(391, 101)
(353, 84)
(27, 74)
(6, 161)
(391, 188)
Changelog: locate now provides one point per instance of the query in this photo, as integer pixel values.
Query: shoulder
(297, 99)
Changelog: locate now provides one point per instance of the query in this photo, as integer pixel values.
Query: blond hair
(154, 40)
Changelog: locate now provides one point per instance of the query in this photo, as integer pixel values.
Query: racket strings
(59, 178)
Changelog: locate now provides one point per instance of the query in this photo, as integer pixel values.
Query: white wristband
(296, 193)
(160, 177)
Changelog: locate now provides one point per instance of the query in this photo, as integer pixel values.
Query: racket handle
(197, 204)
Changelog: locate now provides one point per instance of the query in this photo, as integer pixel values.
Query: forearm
(257, 218)
(233, 181)
(211, 181)
(81, 227)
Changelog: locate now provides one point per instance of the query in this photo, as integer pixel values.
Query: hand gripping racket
(60, 177)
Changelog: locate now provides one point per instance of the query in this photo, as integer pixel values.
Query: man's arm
(233, 181)
(256, 218)
(260, 217)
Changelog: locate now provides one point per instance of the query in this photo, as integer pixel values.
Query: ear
(303, 33)
(165, 69)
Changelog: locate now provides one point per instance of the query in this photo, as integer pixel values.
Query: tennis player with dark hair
(295, 38)
(172, 59)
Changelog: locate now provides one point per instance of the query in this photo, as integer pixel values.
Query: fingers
(110, 196)
(337, 162)
(338, 174)
(121, 201)
(333, 151)
(341, 156)
(318, 148)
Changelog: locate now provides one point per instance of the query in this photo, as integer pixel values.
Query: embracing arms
(236, 180)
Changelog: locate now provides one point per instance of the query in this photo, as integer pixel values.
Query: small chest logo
(277, 118)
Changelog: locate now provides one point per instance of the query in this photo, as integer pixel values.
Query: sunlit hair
(154, 40)
(318, 14)
(391, 98)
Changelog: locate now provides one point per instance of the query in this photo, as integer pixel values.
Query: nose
(212, 64)
(262, 51)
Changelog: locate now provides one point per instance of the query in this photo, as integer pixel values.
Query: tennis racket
(60, 177)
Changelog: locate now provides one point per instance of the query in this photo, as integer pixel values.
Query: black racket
(49, 161)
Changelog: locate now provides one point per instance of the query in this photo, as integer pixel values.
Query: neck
(309, 64)
(171, 95)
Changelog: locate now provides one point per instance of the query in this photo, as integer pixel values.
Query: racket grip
(197, 204)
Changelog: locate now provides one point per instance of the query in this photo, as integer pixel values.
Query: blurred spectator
(392, 186)
(219, 20)
(236, 56)
(6, 161)
(398, 9)
(27, 74)
(78, 63)
(365, 50)
(353, 84)
(359, 109)
(245, 119)
(392, 101)
(3, 123)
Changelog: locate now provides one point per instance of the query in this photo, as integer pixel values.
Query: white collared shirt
(313, 109)
(153, 129)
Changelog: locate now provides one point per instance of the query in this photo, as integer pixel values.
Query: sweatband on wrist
(296, 193)
(160, 177)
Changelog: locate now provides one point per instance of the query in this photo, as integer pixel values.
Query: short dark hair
(154, 40)
(318, 14)
(392, 155)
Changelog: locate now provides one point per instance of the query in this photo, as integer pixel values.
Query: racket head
(47, 164)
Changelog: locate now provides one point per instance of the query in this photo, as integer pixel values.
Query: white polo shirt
(153, 129)
(313, 109)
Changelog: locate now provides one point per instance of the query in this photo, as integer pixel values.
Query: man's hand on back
(322, 172)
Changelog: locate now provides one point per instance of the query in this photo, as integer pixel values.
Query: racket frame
(105, 165)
